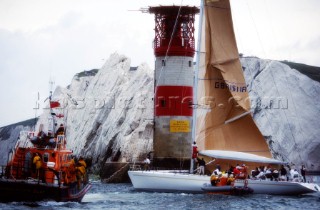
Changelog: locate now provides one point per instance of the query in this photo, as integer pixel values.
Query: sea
(123, 196)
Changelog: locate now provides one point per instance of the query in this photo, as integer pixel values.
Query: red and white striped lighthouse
(174, 48)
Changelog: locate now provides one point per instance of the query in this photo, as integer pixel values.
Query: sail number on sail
(234, 87)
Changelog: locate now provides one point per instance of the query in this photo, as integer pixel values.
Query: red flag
(54, 104)
(59, 115)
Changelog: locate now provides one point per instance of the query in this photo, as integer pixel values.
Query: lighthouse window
(163, 63)
(184, 30)
(190, 63)
(190, 104)
(162, 102)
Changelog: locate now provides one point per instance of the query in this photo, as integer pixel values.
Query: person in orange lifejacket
(82, 165)
(69, 172)
(81, 170)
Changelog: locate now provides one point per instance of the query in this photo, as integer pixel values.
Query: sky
(45, 40)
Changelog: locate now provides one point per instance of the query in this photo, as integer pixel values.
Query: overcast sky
(44, 39)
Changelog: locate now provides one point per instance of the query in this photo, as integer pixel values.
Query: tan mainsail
(223, 118)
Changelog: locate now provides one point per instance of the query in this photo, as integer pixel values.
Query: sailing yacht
(223, 126)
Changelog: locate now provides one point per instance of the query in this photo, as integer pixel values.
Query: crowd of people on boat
(219, 177)
(285, 173)
(73, 171)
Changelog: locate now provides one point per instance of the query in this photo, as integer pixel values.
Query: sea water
(123, 196)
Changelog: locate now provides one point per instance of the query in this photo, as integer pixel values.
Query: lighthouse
(174, 49)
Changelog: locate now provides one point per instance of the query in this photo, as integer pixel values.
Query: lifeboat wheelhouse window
(45, 157)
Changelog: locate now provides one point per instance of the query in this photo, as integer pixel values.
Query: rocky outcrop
(286, 109)
(9, 136)
(109, 115)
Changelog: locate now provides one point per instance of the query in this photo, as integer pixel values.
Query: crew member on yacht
(283, 173)
(217, 171)
(294, 174)
(146, 164)
(194, 154)
(236, 172)
(202, 165)
(303, 173)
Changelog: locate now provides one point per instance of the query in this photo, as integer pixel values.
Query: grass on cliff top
(312, 72)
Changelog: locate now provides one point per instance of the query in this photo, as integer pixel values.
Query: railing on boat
(313, 176)
(29, 174)
(140, 166)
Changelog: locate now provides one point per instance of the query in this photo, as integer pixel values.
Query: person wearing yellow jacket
(81, 170)
(69, 172)
(37, 162)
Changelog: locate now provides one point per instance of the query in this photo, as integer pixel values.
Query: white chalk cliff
(285, 105)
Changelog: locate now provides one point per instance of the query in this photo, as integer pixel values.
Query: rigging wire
(274, 38)
(269, 62)
(290, 127)
(195, 83)
(195, 91)
(287, 81)
(35, 110)
(256, 29)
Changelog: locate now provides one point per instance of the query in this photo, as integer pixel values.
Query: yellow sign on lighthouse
(179, 126)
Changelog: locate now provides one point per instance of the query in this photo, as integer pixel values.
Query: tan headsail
(223, 118)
